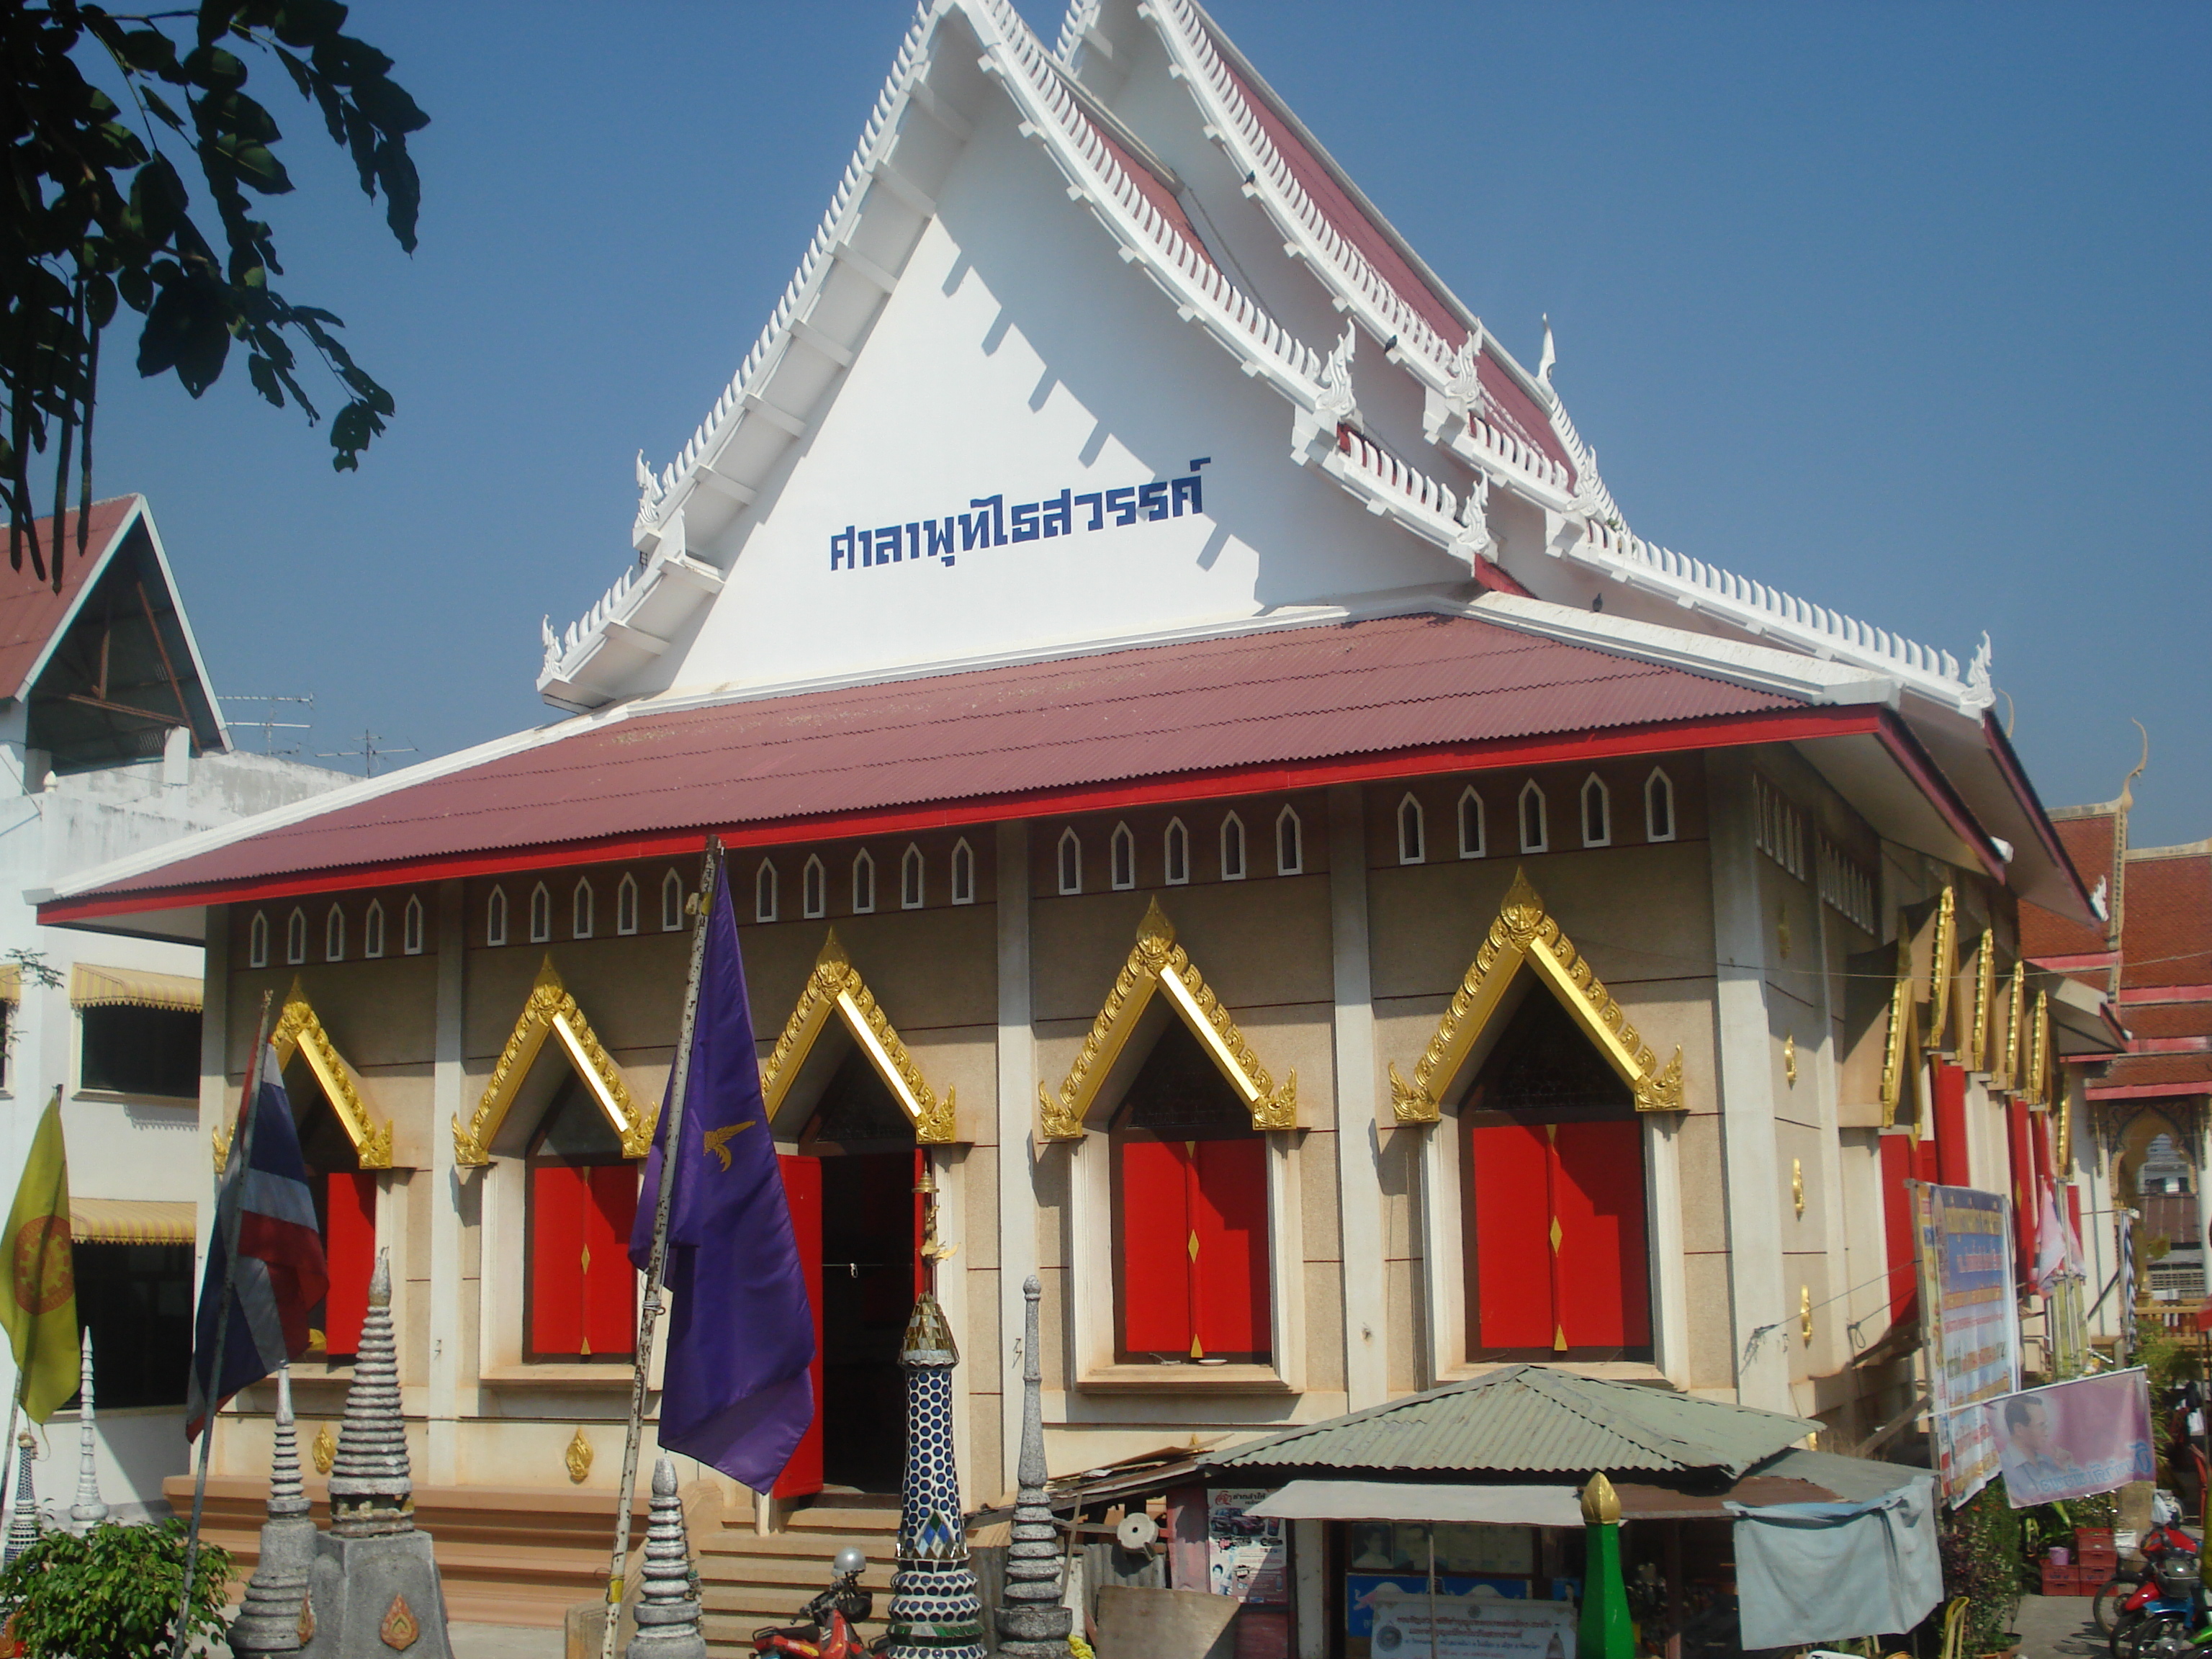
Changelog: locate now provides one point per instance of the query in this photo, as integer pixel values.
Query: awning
(11, 981)
(133, 987)
(1406, 1500)
(133, 1221)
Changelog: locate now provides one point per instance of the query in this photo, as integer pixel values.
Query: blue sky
(1899, 307)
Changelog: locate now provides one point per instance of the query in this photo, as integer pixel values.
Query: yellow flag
(40, 1311)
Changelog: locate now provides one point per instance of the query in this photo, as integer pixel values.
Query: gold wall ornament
(578, 1459)
(1894, 1047)
(1524, 934)
(400, 1627)
(1601, 1503)
(1942, 967)
(1985, 984)
(222, 1138)
(306, 1625)
(1797, 1184)
(324, 1451)
(1805, 1313)
(1158, 964)
(298, 1030)
(2037, 1092)
(552, 1013)
(2015, 1046)
(1790, 1059)
(836, 989)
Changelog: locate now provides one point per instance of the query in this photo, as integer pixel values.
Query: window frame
(1122, 860)
(495, 916)
(295, 936)
(1542, 842)
(1414, 848)
(912, 863)
(1067, 862)
(814, 887)
(963, 873)
(413, 933)
(1175, 848)
(626, 906)
(671, 903)
(1296, 864)
(583, 910)
(1605, 811)
(1657, 787)
(541, 914)
(767, 895)
(257, 941)
(864, 883)
(372, 932)
(1235, 869)
(1480, 818)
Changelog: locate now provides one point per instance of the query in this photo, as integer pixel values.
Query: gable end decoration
(1895, 1057)
(300, 1031)
(1985, 980)
(1158, 963)
(551, 1012)
(1942, 968)
(836, 987)
(1523, 932)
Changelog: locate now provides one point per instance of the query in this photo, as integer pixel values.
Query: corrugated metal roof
(1531, 1418)
(30, 610)
(1241, 702)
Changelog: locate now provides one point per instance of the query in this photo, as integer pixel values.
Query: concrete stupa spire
(272, 1618)
(1031, 1620)
(936, 1611)
(23, 1525)
(371, 1491)
(88, 1512)
(667, 1608)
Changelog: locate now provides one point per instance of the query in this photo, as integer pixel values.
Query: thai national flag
(281, 1275)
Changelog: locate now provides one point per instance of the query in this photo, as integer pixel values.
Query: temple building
(1216, 789)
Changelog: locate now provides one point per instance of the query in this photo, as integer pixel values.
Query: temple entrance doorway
(858, 1221)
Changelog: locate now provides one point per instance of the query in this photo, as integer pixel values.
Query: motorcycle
(2164, 1618)
(2165, 1538)
(826, 1627)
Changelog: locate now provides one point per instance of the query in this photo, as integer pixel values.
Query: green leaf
(159, 107)
(149, 52)
(387, 104)
(264, 374)
(255, 165)
(214, 69)
(158, 202)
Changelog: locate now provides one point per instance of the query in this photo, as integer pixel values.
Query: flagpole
(656, 1264)
(242, 1149)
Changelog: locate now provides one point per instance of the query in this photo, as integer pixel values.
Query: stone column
(439, 1186)
(1031, 1622)
(1017, 1086)
(1358, 1179)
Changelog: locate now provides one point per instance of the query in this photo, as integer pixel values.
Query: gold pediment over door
(1159, 973)
(300, 1031)
(1523, 935)
(552, 1013)
(836, 995)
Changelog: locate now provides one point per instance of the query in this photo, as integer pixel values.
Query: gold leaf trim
(1986, 981)
(2038, 1091)
(1158, 964)
(835, 988)
(1523, 933)
(299, 1030)
(1900, 1018)
(1942, 967)
(550, 1011)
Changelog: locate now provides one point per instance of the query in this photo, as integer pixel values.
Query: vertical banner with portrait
(1970, 1325)
(2073, 1440)
(1247, 1556)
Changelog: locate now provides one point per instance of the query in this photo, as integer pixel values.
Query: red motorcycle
(826, 1627)
(2164, 1539)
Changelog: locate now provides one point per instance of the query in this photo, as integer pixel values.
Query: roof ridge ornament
(1464, 391)
(1474, 539)
(650, 493)
(1981, 692)
(1550, 356)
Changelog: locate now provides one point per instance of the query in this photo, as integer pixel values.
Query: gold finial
(1601, 1503)
(932, 1250)
(578, 1457)
(324, 1451)
(833, 956)
(1156, 925)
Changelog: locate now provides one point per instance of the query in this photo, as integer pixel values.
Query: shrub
(1980, 1543)
(111, 1593)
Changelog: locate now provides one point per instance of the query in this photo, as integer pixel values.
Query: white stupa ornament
(667, 1608)
(88, 1512)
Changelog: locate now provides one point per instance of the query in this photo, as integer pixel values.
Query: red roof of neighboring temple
(1220, 716)
(31, 612)
(2045, 936)
(2166, 946)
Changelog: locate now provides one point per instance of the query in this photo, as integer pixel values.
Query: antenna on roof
(368, 754)
(270, 724)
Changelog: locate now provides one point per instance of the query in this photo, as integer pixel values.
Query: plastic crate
(2101, 1562)
(2086, 1539)
(2062, 1581)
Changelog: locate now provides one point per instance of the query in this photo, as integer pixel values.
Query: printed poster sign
(1970, 1324)
(1478, 1625)
(1360, 1589)
(2073, 1440)
(1246, 1556)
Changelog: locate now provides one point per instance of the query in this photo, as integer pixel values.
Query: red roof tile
(2145, 1071)
(2168, 1019)
(2043, 933)
(30, 609)
(1204, 706)
(2167, 938)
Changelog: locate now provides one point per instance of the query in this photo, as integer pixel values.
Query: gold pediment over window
(1900, 1056)
(1158, 966)
(1522, 935)
(835, 990)
(298, 1030)
(552, 1013)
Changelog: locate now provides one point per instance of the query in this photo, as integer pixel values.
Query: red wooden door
(609, 1283)
(802, 1188)
(1512, 1242)
(583, 1289)
(1561, 1253)
(1597, 1200)
(1195, 1248)
(349, 1253)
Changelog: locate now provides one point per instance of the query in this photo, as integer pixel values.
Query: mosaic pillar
(935, 1612)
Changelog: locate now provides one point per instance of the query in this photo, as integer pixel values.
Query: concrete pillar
(439, 1186)
(1358, 1177)
(1017, 1084)
(1762, 1332)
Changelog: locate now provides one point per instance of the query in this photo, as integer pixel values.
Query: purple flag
(735, 1390)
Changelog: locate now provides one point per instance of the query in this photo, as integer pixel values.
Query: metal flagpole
(649, 1315)
(243, 1151)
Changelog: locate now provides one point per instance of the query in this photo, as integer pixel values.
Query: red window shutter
(1923, 1165)
(349, 1252)
(1229, 1218)
(557, 1195)
(1597, 1197)
(609, 1287)
(1156, 1236)
(802, 1189)
(1951, 1158)
(1898, 1151)
(1512, 1242)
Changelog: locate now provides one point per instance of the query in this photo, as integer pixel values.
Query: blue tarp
(1826, 1573)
